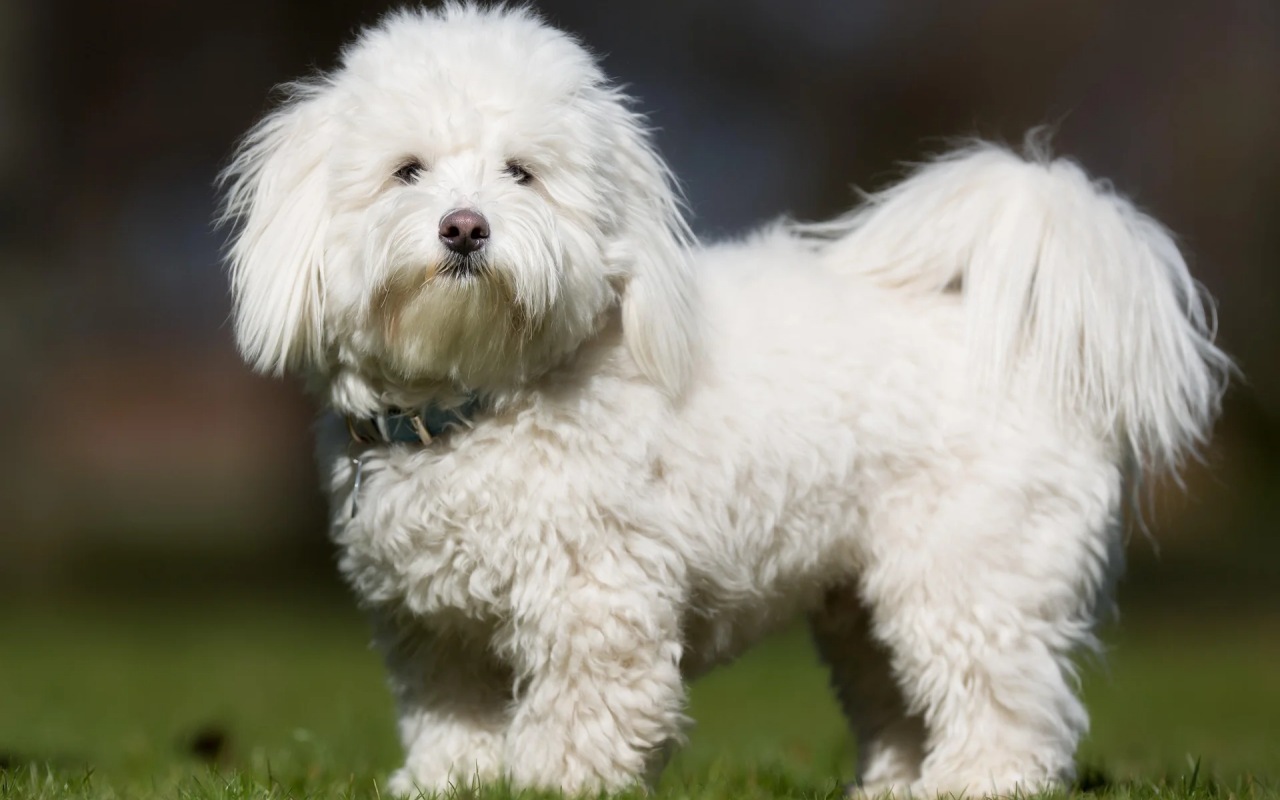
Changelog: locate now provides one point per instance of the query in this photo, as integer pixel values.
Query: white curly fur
(912, 424)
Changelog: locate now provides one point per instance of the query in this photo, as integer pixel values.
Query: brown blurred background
(139, 455)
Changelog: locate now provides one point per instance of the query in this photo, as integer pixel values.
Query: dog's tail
(1063, 283)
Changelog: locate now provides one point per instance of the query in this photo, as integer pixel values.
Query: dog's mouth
(461, 267)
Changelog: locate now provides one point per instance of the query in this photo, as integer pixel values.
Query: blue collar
(415, 426)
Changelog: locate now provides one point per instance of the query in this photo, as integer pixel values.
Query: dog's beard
(456, 318)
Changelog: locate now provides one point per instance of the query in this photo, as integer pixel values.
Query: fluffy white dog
(585, 459)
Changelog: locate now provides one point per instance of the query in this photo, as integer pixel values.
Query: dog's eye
(517, 170)
(409, 171)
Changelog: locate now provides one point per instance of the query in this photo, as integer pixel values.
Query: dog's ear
(653, 253)
(276, 199)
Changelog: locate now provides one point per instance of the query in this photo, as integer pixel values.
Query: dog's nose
(464, 231)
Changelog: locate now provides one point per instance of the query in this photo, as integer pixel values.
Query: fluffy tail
(1064, 283)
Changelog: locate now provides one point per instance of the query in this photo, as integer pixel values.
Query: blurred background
(142, 460)
(140, 452)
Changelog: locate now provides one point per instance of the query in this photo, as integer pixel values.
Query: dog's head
(462, 200)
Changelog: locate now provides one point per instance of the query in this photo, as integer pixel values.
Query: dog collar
(414, 426)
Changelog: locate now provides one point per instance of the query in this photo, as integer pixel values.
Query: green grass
(105, 700)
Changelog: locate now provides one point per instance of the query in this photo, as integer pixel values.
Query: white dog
(585, 459)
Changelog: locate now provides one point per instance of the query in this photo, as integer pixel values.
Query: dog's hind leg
(981, 591)
(451, 706)
(890, 741)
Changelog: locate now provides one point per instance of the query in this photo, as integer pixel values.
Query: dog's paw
(401, 784)
(876, 790)
(404, 784)
(1009, 786)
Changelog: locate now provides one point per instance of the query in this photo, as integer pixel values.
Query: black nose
(464, 231)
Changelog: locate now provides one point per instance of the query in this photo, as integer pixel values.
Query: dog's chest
(436, 543)
(466, 532)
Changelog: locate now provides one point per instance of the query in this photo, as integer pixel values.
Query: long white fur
(279, 312)
(912, 424)
(1069, 284)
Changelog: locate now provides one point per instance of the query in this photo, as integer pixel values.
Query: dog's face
(463, 200)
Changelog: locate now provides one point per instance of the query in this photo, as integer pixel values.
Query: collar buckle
(418, 426)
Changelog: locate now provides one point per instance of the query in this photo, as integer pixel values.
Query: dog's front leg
(452, 706)
(601, 692)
